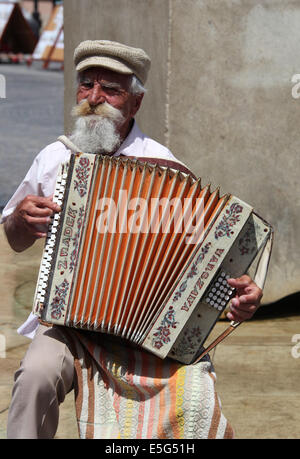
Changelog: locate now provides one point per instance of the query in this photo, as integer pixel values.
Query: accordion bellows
(125, 255)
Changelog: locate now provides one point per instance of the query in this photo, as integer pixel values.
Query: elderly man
(140, 395)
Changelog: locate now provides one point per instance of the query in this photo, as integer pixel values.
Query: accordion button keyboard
(220, 292)
(46, 262)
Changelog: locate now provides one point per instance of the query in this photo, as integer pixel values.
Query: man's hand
(23, 226)
(247, 299)
(33, 211)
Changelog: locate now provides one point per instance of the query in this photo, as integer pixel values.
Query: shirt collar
(128, 147)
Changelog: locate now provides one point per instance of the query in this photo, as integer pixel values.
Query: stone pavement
(258, 378)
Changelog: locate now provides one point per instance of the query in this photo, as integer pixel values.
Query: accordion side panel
(203, 264)
(251, 239)
(63, 271)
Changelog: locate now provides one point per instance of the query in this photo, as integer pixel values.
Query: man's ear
(136, 104)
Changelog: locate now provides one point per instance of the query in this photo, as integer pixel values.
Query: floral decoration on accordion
(246, 243)
(59, 301)
(162, 335)
(189, 342)
(193, 271)
(82, 175)
(230, 219)
(76, 238)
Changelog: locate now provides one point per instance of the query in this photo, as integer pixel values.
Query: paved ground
(31, 117)
(258, 372)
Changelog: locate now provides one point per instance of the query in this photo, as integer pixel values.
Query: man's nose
(96, 95)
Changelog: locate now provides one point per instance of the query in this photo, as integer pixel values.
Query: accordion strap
(68, 143)
(259, 279)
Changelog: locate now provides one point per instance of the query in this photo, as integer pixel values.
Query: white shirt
(41, 177)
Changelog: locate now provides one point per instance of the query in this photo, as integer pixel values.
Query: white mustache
(104, 110)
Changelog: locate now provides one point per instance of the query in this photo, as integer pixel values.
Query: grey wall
(139, 23)
(219, 95)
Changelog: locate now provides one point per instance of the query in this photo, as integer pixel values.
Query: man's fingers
(36, 203)
(253, 297)
(33, 214)
(37, 220)
(46, 203)
(34, 210)
(39, 235)
(241, 282)
(237, 305)
(246, 289)
(53, 205)
(238, 316)
(240, 312)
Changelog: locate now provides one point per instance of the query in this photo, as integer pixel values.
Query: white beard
(97, 133)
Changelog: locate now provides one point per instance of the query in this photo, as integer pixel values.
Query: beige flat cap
(114, 56)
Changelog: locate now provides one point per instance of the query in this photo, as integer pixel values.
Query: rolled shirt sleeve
(40, 179)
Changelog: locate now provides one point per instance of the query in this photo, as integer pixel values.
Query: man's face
(99, 85)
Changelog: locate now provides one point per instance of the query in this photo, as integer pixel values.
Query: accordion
(143, 252)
